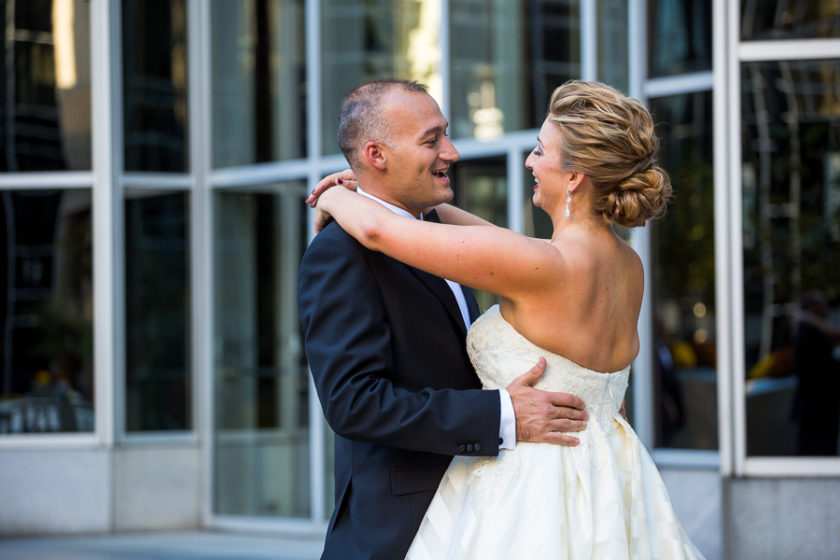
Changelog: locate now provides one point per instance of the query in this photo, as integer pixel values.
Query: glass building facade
(154, 159)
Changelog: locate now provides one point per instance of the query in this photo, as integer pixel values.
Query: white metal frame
(151, 182)
(645, 89)
(640, 238)
(724, 249)
(103, 182)
(739, 463)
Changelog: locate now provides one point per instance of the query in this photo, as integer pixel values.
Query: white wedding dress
(602, 499)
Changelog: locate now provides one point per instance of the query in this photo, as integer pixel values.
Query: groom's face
(419, 152)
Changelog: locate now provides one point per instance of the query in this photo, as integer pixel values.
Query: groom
(386, 342)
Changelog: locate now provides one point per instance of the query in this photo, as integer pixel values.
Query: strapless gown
(602, 499)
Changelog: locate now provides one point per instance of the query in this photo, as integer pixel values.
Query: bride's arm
(485, 257)
(447, 213)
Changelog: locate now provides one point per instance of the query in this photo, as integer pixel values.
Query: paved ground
(160, 546)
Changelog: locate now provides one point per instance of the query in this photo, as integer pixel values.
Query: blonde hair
(609, 137)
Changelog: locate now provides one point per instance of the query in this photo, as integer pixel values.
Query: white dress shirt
(507, 426)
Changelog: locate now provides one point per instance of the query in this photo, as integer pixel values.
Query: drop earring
(568, 203)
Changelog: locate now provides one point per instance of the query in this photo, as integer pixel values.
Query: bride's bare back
(589, 315)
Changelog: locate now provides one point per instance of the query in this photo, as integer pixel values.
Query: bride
(574, 300)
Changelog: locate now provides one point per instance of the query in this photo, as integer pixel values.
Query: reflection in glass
(363, 41)
(259, 81)
(791, 213)
(46, 355)
(45, 115)
(776, 19)
(261, 387)
(157, 309)
(683, 278)
(506, 59)
(155, 85)
(480, 187)
(680, 37)
(613, 28)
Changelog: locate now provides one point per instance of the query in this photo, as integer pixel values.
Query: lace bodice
(500, 354)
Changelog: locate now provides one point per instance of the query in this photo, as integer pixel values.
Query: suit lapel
(439, 287)
(472, 305)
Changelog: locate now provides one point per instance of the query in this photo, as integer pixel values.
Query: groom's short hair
(362, 117)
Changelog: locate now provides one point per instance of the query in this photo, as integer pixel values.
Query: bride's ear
(575, 180)
(374, 155)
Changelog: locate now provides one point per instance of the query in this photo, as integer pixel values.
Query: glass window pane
(506, 59)
(613, 48)
(158, 388)
(680, 36)
(480, 187)
(46, 355)
(362, 41)
(791, 212)
(683, 278)
(261, 382)
(45, 87)
(155, 85)
(259, 81)
(803, 19)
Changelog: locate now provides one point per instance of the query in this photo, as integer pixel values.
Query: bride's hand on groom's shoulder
(543, 416)
(345, 178)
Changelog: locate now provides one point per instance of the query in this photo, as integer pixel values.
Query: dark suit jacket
(386, 346)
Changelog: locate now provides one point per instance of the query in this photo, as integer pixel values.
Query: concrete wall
(157, 487)
(696, 497)
(782, 518)
(97, 490)
(55, 491)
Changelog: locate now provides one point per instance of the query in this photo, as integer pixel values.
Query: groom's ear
(374, 155)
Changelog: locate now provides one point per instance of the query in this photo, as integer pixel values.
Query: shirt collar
(388, 205)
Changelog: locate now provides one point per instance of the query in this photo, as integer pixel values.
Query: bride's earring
(568, 202)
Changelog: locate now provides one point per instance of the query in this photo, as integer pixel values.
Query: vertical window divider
(640, 240)
(443, 63)
(515, 192)
(317, 440)
(724, 249)
(201, 231)
(589, 39)
(108, 339)
(735, 385)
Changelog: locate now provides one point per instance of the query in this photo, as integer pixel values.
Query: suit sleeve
(348, 346)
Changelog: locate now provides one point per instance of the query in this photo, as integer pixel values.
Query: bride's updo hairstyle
(609, 138)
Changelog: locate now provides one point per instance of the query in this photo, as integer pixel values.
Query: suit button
(470, 448)
(478, 448)
(462, 448)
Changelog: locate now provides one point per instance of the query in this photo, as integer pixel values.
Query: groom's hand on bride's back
(542, 416)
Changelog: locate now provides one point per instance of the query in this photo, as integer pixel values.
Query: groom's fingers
(566, 425)
(543, 416)
(560, 439)
(533, 375)
(566, 400)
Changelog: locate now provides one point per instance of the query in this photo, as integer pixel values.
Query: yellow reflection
(64, 44)
(424, 50)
